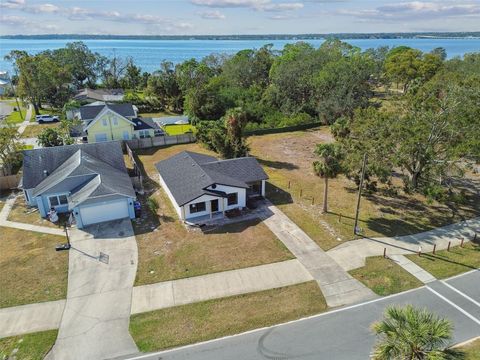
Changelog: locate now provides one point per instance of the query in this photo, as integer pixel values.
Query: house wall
(136, 133)
(30, 200)
(177, 208)
(203, 198)
(242, 195)
(113, 132)
(45, 204)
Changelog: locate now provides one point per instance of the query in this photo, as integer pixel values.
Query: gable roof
(100, 94)
(105, 109)
(188, 174)
(90, 112)
(142, 123)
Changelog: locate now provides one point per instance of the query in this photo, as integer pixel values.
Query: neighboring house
(88, 180)
(92, 95)
(200, 185)
(108, 122)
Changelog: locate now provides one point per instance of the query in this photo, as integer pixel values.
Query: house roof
(142, 123)
(89, 112)
(100, 94)
(86, 177)
(188, 174)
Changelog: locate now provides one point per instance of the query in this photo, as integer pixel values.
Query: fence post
(384, 252)
(313, 200)
(448, 247)
(301, 192)
(434, 248)
(289, 184)
(461, 243)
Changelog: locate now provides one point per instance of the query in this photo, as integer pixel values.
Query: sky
(218, 17)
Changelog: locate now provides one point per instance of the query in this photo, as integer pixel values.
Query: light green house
(107, 122)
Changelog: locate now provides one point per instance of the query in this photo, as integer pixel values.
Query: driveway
(102, 267)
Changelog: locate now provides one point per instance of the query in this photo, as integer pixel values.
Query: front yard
(212, 319)
(32, 131)
(32, 271)
(24, 214)
(445, 263)
(29, 346)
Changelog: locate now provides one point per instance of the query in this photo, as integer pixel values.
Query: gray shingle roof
(142, 123)
(188, 174)
(99, 94)
(89, 112)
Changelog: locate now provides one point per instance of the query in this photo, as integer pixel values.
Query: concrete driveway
(102, 267)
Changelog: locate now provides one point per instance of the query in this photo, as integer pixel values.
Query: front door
(214, 205)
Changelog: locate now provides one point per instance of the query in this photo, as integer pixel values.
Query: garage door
(104, 212)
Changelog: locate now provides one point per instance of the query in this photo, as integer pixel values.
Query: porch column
(183, 212)
(222, 203)
(263, 188)
(209, 207)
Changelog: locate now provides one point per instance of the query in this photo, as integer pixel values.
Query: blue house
(88, 180)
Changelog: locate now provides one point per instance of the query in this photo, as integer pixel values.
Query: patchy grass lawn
(216, 318)
(15, 117)
(168, 250)
(178, 129)
(450, 263)
(472, 350)
(28, 215)
(288, 157)
(385, 277)
(33, 131)
(32, 271)
(32, 346)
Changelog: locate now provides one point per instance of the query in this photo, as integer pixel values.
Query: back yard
(168, 250)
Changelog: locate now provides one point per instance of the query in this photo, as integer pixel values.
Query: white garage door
(104, 212)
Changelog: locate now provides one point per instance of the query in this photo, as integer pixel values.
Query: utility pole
(355, 228)
(15, 94)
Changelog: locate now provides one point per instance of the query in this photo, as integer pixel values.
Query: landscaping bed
(206, 320)
(385, 277)
(32, 346)
(32, 270)
(445, 263)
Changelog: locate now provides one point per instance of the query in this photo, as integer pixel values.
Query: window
(126, 135)
(100, 137)
(143, 134)
(57, 200)
(232, 199)
(197, 207)
(53, 201)
(63, 199)
(115, 121)
(104, 122)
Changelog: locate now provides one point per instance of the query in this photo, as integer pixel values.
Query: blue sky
(151, 17)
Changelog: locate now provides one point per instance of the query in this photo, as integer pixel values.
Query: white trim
(104, 111)
(464, 312)
(462, 274)
(460, 293)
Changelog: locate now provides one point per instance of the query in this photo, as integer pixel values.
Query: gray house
(201, 185)
(88, 180)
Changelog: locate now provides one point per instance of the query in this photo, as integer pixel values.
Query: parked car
(46, 118)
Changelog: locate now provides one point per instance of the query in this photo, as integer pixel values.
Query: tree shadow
(233, 228)
(278, 164)
(277, 195)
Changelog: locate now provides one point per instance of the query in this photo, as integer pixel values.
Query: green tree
(133, 76)
(10, 149)
(329, 166)
(411, 333)
(402, 65)
(163, 85)
(60, 136)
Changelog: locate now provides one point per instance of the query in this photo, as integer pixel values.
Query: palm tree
(411, 333)
(328, 167)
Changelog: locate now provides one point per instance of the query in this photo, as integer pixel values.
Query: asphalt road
(344, 333)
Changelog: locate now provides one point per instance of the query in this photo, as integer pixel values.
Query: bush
(153, 205)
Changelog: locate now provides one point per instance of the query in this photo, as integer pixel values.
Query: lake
(149, 53)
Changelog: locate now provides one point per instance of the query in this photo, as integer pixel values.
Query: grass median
(212, 319)
(385, 277)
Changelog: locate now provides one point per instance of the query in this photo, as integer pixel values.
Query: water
(148, 54)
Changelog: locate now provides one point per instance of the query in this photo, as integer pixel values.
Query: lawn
(32, 270)
(32, 346)
(15, 117)
(24, 214)
(32, 131)
(216, 318)
(168, 250)
(445, 263)
(385, 277)
(287, 159)
(178, 129)
(472, 350)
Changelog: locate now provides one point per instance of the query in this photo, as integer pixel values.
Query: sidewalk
(352, 254)
(26, 122)
(338, 286)
(421, 274)
(22, 226)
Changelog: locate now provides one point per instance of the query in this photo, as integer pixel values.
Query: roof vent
(45, 173)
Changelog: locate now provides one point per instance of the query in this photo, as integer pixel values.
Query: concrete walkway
(22, 126)
(352, 254)
(422, 275)
(101, 272)
(218, 285)
(22, 226)
(45, 316)
(338, 287)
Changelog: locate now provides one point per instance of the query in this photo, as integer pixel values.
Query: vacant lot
(32, 271)
(29, 346)
(24, 214)
(385, 277)
(288, 158)
(449, 263)
(216, 318)
(32, 131)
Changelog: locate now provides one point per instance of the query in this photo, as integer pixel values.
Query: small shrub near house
(153, 205)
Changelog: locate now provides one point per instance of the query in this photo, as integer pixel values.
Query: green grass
(159, 114)
(385, 277)
(32, 346)
(206, 320)
(445, 263)
(472, 350)
(15, 118)
(178, 129)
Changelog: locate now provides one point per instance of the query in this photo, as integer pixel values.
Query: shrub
(153, 205)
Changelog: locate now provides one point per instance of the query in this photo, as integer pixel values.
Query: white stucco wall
(203, 198)
(177, 208)
(242, 195)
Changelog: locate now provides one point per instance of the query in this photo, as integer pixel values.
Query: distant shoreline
(413, 35)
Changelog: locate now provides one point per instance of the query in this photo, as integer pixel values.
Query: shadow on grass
(277, 195)
(234, 228)
(278, 164)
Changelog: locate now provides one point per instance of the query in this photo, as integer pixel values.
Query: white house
(201, 185)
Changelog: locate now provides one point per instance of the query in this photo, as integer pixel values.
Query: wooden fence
(137, 178)
(9, 182)
(160, 141)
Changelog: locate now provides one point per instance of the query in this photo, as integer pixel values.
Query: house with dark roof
(201, 185)
(108, 122)
(88, 180)
(92, 95)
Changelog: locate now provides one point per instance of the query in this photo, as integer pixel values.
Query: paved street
(342, 334)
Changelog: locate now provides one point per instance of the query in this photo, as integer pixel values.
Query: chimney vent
(45, 173)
